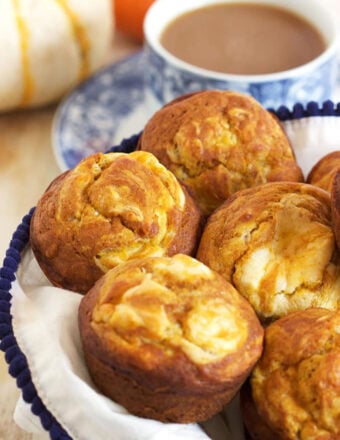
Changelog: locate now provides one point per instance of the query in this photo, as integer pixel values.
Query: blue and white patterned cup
(167, 77)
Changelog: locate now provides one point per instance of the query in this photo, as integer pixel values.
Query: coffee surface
(242, 38)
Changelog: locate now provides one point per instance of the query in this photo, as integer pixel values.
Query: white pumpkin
(49, 46)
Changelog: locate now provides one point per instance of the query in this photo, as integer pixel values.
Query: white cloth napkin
(312, 138)
(45, 325)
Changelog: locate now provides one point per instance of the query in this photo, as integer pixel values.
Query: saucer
(107, 108)
(101, 112)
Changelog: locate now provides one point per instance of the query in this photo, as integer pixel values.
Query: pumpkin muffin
(276, 245)
(218, 142)
(168, 338)
(295, 386)
(108, 209)
(323, 172)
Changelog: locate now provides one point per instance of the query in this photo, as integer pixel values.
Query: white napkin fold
(312, 138)
(45, 325)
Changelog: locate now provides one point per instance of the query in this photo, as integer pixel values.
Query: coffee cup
(168, 75)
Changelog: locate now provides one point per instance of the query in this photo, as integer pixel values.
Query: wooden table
(27, 165)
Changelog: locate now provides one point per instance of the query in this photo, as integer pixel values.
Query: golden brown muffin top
(218, 142)
(276, 245)
(323, 172)
(108, 209)
(296, 384)
(115, 187)
(173, 316)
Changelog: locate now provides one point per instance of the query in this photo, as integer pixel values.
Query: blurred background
(27, 162)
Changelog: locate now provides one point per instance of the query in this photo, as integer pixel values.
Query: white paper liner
(46, 327)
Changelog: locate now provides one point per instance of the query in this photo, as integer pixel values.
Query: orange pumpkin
(129, 16)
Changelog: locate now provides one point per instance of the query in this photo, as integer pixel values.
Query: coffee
(243, 38)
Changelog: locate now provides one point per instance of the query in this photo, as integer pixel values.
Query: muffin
(324, 170)
(335, 203)
(168, 339)
(218, 142)
(276, 245)
(296, 385)
(108, 209)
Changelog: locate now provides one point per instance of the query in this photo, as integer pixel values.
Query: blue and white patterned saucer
(105, 109)
(101, 112)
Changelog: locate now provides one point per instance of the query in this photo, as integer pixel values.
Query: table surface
(27, 165)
